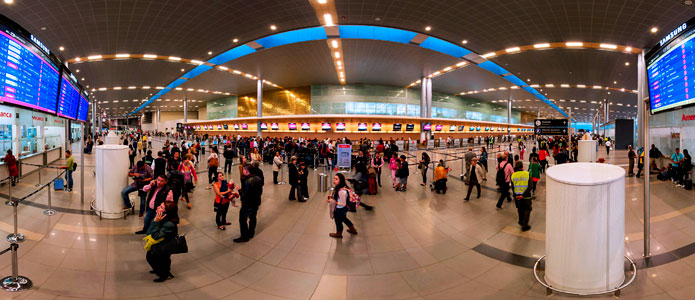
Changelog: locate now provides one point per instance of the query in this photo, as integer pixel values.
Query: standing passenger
(522, 194)
(338, 207)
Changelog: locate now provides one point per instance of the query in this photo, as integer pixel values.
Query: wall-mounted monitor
(219, 127)
(487, 128)
(236, 126)
(244, 126)
(326, 126)
(409, 127)
(397, 127)
(452, 128)
(264, 126)
(361, 126)
(668, 64)
(427, 127)
(226, 126)
(339, 126)
(30, 78)
(83, 110)
(472, 128)
(274, 126)
(306, 126)
(376, 126)
(292, 126)
(68, 99)
(438, 127)
(462, 128)
(205, 127)
(477, 128)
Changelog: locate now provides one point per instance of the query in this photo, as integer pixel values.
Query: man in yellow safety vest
(521, 181)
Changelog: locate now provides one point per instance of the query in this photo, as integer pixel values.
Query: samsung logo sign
(673, 33)
(40, 44)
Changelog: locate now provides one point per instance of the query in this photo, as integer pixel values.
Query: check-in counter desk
(43, 158)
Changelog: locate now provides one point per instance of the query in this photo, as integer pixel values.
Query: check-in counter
(53, 155)
(34, 159)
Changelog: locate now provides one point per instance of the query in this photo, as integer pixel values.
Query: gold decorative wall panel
(294, 101)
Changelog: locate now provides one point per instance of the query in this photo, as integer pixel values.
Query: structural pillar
(259, 105)
(569, 128)
(509, 113)
(429, 97)
(423, 107)
(185, 108)
(644, 141)
(159, 114)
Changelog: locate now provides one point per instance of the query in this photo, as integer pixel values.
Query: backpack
(501, 177)
(214, 162)
(353, 199)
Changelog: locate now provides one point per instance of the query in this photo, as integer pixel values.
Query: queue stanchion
(39, 184)
(14, 283)
(49, 211)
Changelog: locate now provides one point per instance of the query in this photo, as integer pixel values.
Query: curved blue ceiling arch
(365, 32)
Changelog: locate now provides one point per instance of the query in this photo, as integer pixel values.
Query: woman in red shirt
(12, 169)
(543, 159)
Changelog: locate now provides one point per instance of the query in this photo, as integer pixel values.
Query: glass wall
(5, 138)
(28, 139)
(385, 100)
(222, 108)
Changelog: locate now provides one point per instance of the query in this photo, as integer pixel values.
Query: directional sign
(551, 123)
(551, 131)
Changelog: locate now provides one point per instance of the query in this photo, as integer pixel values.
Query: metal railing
(15, 282)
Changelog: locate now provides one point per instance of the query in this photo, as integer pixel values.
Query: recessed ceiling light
(209, 52)
(627, 63)
(82, 79)
(329, 19)
(574, 44)
(337, 54)
(464, 42)
(528, 79)
(628, 49)
(322, 1)
(654, 30)
(235, 40)
(61, 47)
(273, 27)
(43, 28)
(78, 70)
(334, 43)
(542, 45)
(182, 70)
(428, 28)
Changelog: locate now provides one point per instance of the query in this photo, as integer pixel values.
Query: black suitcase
(688, 184)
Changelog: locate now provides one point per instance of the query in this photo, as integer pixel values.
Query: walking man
(252, 189)
(522, 194)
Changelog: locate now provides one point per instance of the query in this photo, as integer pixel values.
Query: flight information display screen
(68, 100)
(84, 109)
(671, 70)
(27, 77)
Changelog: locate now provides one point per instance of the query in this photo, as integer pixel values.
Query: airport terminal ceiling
(180, 31)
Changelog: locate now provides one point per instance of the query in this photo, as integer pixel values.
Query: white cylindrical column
(112, 139)
(586, 151)
(111, 178)
(585, 227)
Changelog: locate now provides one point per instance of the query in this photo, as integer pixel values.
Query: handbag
(175, 245)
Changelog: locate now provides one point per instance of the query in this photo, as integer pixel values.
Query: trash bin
(323, 182)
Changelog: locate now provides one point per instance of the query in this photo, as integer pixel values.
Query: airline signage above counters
(338, 124)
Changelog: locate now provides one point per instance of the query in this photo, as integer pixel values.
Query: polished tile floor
(413, 245)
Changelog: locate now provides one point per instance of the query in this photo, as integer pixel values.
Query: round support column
(585, 227)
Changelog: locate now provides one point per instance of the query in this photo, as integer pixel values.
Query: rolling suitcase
(59, 184)
(372, 186)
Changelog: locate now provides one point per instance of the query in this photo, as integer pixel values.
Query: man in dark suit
(158, 192)
(294, 179)
(252, 189)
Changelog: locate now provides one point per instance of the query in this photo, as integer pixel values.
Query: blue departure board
(83, 111)
(671, 71)
(68, 99)
(27, 77)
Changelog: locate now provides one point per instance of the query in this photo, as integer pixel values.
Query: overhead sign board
(550, 131)
(551, 123)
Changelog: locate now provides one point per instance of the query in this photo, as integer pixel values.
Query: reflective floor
(413, 245)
